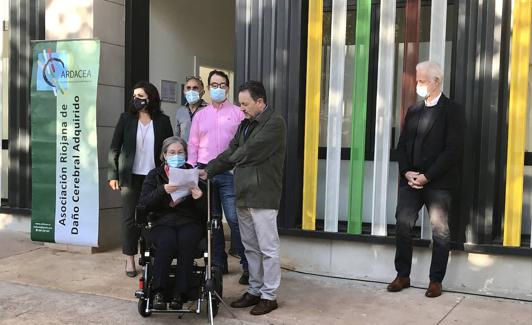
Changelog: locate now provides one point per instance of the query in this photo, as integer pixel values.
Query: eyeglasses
(222, 85)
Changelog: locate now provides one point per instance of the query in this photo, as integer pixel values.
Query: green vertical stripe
(358, 124)
(43, 154)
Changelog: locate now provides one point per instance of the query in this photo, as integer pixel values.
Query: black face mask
(139, 103)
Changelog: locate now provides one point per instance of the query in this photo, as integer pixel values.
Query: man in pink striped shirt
(212, 129)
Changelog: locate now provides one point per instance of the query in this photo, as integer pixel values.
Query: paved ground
(40, 285)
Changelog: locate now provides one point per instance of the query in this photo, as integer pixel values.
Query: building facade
(342, 73)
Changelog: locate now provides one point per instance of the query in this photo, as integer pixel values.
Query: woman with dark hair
(176, 226)
(134, 151)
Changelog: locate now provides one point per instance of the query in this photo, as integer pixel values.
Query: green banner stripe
(43, 138)
(358, 123)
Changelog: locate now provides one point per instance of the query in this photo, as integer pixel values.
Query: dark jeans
(180, 242)
(409, 202)
(225, 189)
(130, 197)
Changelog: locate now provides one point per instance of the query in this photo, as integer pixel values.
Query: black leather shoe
(263, 307)
(244, 278)
(246, 300)
(176, 303)
(130, 274)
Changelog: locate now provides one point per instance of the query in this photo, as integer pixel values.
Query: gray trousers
(258, 230)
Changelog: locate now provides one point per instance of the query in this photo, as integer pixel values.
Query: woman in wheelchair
(177, 227)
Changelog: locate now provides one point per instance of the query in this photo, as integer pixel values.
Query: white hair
(433, 70)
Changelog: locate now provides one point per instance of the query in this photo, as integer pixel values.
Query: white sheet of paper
(185, 179)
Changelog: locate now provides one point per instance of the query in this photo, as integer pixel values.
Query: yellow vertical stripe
(312, 113)
(517, 122)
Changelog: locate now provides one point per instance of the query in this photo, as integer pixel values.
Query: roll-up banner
(64, 151)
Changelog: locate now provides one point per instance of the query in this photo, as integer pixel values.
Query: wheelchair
(206, 287)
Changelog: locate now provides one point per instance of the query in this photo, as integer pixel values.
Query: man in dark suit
(430, 151)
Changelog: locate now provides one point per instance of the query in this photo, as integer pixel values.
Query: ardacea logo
(54, 74)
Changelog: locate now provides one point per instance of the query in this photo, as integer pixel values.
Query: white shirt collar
(432, 102)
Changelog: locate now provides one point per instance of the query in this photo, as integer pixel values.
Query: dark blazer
(153, 198)
(442, 144)
(257, 159)
(124, 145)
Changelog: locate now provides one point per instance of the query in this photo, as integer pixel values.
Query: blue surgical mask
(192, 96)
(175, 161)
(217, 94)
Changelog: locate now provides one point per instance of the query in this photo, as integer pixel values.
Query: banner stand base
(72, 248)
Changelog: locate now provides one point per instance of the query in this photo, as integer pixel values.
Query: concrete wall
(109, 27)
(202, 28)
(14, 222)
(105, 20)
(492, 275)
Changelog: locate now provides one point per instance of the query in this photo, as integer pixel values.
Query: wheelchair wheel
(142, 308)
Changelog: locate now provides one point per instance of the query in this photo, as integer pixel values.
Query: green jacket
(258, 161)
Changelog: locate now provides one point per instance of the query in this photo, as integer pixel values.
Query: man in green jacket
(257, 155)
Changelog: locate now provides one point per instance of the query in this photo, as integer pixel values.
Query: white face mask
(422, 91)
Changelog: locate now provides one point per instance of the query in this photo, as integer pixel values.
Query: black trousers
(130, 198)
(409, 202)
(174, 241)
